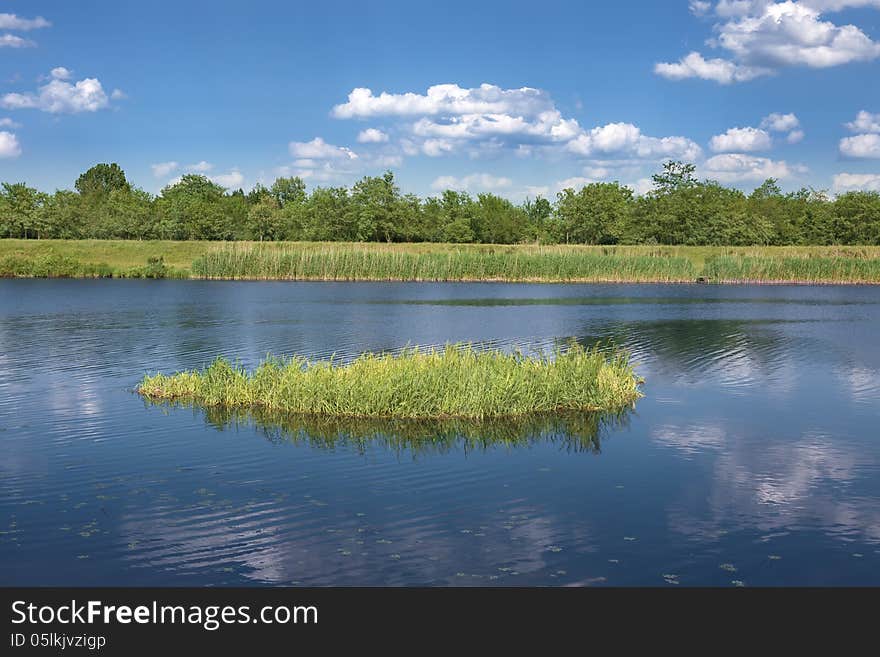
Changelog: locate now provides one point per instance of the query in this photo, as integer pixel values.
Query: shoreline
(524, 281)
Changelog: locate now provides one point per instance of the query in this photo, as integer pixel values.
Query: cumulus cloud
(229, 180)
(761, 36)
(14, 22)
(741, 140)
(699, 7)
(8, 123)
(642, 186)
(15, 41)
(164, 169)
(488, 120)
(200, 167)
(318, 161)
(694, 65)
(849, 182)
(575, 182)
(60, 73)
(448, 117)
(865, 122)
(627, 140)
(59, 96)
(780, 122)
(445, 99)
(475, 181)
(9, 146)
(372, 136)
(789, 123)
(318, 149)
(861, 146)
(738, 167)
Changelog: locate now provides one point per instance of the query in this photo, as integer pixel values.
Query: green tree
(21, 211)
(102, 179)
(194, 209)
(597, 214)
(265, 220)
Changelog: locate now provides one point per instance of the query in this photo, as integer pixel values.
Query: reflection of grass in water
(576, 432)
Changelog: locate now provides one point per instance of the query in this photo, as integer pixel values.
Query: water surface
(754, 458)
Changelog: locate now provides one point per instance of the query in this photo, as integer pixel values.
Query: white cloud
(372, 136)
(318, 149)
(9, 146)
(795, 137)
(486, 121)
(763, 36)
(699, 7)
(780, 122)
(575, 182)
(387, 161)
(475, 181)
(58, 96)
(118, 94)
(627, 140)
(738, 167)
(14, 41)
(534, 191)
(642, 186)
(865, 122)
(447, 118)
(200, 167)
(9, 123)
(837, 5)
(861, 146)
(163, 169)
(13, 22)
(437, 147)
(60, 73)
(229, 180)
(449, 99)
(848, 182)
(718, 70)
(741, 140)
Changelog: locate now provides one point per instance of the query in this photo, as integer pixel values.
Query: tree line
(680, 209)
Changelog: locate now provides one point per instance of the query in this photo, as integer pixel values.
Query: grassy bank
(436, 262)
(453, 382)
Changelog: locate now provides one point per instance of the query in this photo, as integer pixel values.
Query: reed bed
(731, 269)
(457, 381)
(347, 264)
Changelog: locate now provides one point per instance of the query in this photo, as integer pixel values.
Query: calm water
(754, 457)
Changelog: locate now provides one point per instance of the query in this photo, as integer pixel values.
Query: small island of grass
(457, 381)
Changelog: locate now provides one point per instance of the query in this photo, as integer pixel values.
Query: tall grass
(731, 269)
(457, 381)
(336, 263)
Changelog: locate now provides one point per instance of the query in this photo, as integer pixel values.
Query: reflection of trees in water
(689, 346)
(575, 432)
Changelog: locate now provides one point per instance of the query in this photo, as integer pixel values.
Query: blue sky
(525, 97)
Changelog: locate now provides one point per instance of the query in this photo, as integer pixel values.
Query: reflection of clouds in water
(689, 440)
(862, 382)
(784, 487)
(279, 543)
